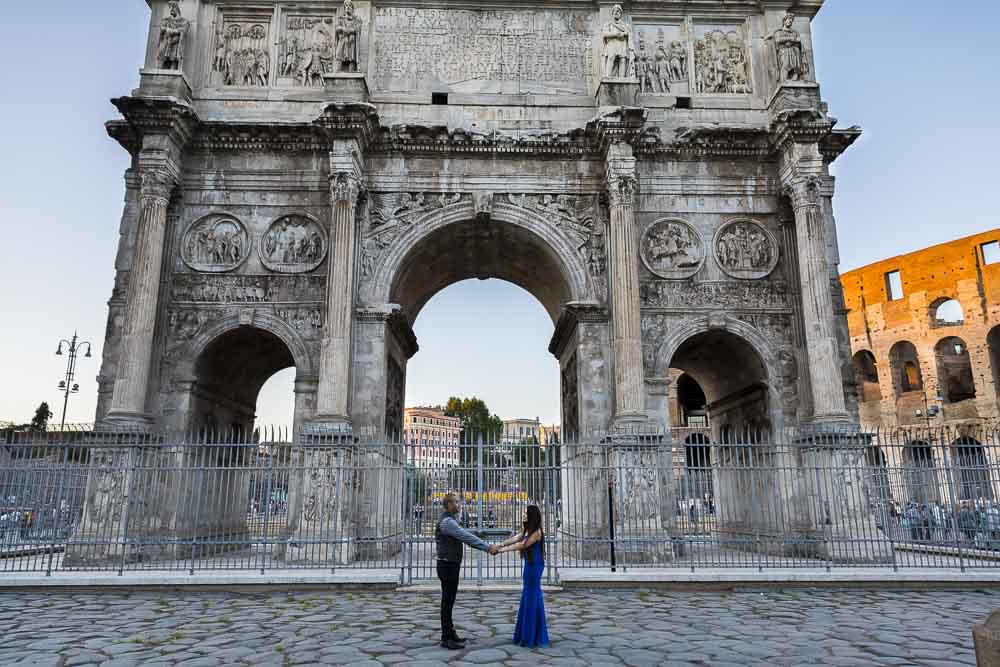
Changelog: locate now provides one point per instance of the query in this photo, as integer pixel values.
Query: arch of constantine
(306, 175)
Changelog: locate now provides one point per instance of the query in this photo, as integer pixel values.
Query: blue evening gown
(531, 630)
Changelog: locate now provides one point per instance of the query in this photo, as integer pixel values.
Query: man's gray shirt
(451, 528)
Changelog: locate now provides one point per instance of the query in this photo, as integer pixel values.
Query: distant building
(549, 435)
(517, 431)
(432, 435)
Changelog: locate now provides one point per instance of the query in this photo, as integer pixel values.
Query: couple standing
(449, 535)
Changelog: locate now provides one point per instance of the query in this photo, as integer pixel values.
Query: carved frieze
(307, 49)
(745, 249)
(671, 248)
(215, 244)
(722, 60)
(242, 55)
(293, 244)
(661, 61)
(776, 327)
(307, 321)
(389, 214)
(268, 288)
(770, 295)
(482, 50)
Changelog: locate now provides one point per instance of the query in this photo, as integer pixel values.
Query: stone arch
(754, 352)
(866, 376)
(229, 361)
(552, 269)
(920, 472)
(954, 368)
(946, 311)
(993, 345)
(904, 363)
(972, 470)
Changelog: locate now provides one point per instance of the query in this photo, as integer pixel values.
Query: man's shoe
(452, 645)
(459, 640)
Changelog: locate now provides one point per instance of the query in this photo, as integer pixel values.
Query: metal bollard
(987, 639)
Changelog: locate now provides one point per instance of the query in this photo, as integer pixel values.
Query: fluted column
(627, 343)
(128, 403)
(817, 300)
(335, 354)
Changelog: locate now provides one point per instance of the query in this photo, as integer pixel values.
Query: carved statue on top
(173, 29)
(348, 34)
(616, 37)
(788, 51)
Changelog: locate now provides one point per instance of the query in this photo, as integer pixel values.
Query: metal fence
(264, 501)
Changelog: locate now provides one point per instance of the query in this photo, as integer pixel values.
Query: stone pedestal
(345, 87)
(645, 507)
(618, 93)
(323, 502)
(163, 83)
(986, 636)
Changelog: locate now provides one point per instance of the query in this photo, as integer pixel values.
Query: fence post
(129, 481)
(945, 459)
(268, 490)
(57, 505)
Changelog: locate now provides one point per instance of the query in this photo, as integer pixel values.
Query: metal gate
(495, 479)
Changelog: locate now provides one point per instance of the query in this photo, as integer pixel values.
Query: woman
(531, 630)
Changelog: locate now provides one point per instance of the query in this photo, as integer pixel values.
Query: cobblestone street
(803, 627)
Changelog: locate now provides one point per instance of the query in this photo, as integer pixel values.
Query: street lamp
(67, 386)
(931, 410)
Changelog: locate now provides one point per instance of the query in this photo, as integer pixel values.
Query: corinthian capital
(156, 184)
(805, 191)
(345, 187)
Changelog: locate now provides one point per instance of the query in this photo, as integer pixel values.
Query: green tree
(477, 422)
(40, 422)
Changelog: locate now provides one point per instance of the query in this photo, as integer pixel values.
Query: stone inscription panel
(516, 51)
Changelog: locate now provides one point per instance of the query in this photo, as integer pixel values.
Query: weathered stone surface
(986, 636)
(803, 627)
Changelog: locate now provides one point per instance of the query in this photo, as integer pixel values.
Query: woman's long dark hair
(530, 526)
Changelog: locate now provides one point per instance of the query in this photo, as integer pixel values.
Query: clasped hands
(495, 549)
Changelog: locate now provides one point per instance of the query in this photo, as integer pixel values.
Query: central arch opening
(482, 299)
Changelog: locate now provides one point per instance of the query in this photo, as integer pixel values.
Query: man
(449, 536)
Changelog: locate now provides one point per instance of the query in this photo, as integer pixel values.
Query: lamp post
(67, 386)
(931, 410)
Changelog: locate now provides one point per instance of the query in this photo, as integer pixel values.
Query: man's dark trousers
(448, 574)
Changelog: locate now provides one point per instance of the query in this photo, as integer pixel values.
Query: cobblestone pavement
(802, 627)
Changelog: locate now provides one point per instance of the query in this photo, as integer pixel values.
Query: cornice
(707, 142)
(155, 115)
(296, 137)
(621, 125)
(343, 120)
(837, 142)
(572, 315)
(440, 140)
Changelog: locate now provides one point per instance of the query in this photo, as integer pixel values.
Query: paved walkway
(803, 627)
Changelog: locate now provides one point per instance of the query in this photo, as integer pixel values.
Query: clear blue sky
(920, 78)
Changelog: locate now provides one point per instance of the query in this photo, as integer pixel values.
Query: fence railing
(126, 501)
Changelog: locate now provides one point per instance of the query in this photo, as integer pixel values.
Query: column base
(328, 429)
(125, 421)
(163, 83)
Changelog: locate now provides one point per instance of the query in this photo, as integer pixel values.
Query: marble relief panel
(241, 52)
(495, 51)
(662, 60)
(721, 59)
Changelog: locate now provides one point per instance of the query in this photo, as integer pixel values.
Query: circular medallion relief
(671, 248)
(293, 244)
(215, 244)
(745, 249)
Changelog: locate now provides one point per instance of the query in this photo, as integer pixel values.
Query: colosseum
(925, 335)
